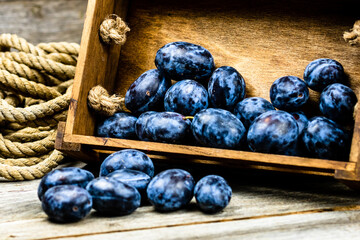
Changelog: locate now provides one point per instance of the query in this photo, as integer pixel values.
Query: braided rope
(63, 58)
(35, 87)
(31, 172)
(28, 149)
(60, 47)
(14, 83)
(41, 63)
(21, 70)
(19, 136)
(113, 29)
(353, 36)
(20, 44)
(22, 162)
(33, 112)
(100, 100)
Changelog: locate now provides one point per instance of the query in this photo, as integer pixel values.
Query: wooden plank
(43, 20)
(307, 225)
(215, 153)
(257, 195)
(97, 64)
(263, 40)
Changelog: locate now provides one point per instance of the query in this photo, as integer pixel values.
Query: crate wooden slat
(262, 39)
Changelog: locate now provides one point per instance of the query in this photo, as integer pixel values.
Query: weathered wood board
(264, 205)
(43, 20)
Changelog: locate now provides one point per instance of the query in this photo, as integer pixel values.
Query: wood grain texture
(263, 205)
(43, 20)
(97, 64)
(194, 152)
(301, 226)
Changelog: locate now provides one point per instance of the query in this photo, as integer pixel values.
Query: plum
(300, 119)
(337, 102)
(226, 87)
(273, 132)
(186, 97)
(289, 93)
(219, 128)
(250, 108)
(171, 190)
(134, 178)
(64, 176)
(168, 127)
(141, 124)
(66, 203)
(323, 138)
(147, 92)
(183, 60)
(212, 193)
(322, 72)
(129, 159)
(112, 197)
(120, 125)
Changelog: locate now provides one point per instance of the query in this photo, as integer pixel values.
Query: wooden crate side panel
(193, 152)
(354, 152)
(97, 64)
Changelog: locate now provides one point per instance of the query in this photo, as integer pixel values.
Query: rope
(113, 29)
(104, 104)
(35, 87)
(353, 37)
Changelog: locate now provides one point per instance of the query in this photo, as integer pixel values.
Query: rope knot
(114, 29)
(353, 37)
(100, 100)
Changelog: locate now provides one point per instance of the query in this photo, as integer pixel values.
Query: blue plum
(134, 178)
(112, 197)
(219, 128)
(337, 102)
(212, 193)
(323, 138)
(171, 189)
(120, 125)
(183, 60)
(147, 92)
(273, 132)
(66, 203)
(289, 93)
(129, 159)
(64, 176)
(226, 87)
(168, 127)
(250, 108)
(141, 124)
(186, 97)
(301, 120)
(322, 72)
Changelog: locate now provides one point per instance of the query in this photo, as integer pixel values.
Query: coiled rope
(35, 87)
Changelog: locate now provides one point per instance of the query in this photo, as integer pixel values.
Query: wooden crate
(262, 39)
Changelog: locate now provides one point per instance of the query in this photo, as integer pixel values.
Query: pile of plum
(125, 182)
(207, 107)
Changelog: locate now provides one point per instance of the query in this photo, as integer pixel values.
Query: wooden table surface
(265, 205)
